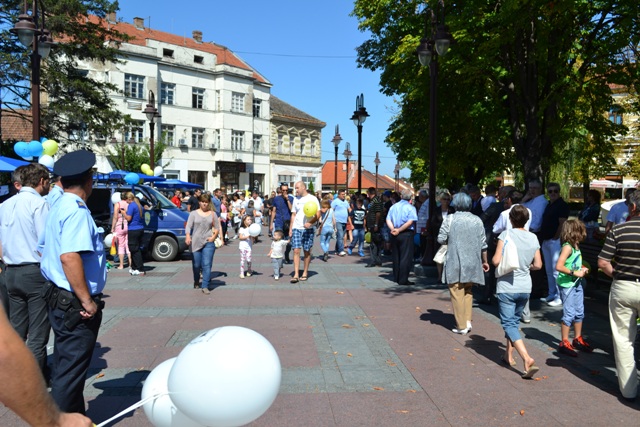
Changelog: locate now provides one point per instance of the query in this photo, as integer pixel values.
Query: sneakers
(361, 254)
(241, 276)
(469, 327)
(234, 237)
(349, 251)
(566, 348)
(249, 273)
(134, 272)
(343, 253)
(276, 277)
(460, 331)
(325, 257)
(555, 303)
(582, 345)
(206, 291)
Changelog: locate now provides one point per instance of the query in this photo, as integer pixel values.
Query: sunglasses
(553, 191)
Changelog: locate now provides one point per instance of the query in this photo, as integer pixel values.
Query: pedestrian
(135, 233)
(236, 214)
(302, 229)
(120, 228)
(401, 222)
(23, 390)
(281, 216)
(620, 259)
(571, 274)
(358, 215)
(327, 227)
(193, 203)
(246, 243)
(74, 263)
(440, 215)
(465, 261)
(22, 222)
(201, 232)
(374, 227)
(513, 289)
(386, 232)
(177, 198)
(278, 246)
(555, 214)
(341, 211)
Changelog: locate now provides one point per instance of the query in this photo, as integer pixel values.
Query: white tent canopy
(604, 183)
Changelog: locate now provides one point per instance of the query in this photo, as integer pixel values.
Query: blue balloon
(416, 239)
(43, 139)
(22, 149)
(35, 148)
(131, 178)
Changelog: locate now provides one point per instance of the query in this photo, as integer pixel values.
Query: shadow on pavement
(438, 317)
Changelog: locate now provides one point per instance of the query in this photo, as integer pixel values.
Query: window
(290, 180)
(133, 86)
(292, 142)
(280, 144)
(257, 142)
(237, 102)
(257, 103)
(302, 147)
(169, 134)
(167, 93)
(308, 180)
(237, 140)
(197, 98)
(78, 131)
(615, 115)
(198, 59)
(216, 138)
(197, 137)
(135, 132)
(218, 101)
(167, 53)
(313, 148)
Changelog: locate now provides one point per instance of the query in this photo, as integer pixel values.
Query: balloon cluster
(43, 150)
(146, 169)
(226, 377)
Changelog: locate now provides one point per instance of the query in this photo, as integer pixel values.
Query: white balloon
(161, 411)
(157, 171)
(116, 197)
(46, 160)
(108, 240)
(254, 230)
(226, 377)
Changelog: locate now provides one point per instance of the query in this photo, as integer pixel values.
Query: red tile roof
(140, 36)
(16, 125)
(368, 178)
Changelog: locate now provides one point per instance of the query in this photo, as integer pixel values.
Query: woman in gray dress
(202, 229)
(466, 259)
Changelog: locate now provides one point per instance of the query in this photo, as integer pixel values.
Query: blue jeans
(358, 239)
(510, 308)
(203, 259)
(325, 238)
(340, 230)
(572, 303)
(276, 263)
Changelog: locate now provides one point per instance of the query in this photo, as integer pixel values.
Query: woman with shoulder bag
(202, 229)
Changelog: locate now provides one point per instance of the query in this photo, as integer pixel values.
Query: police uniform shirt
(70, 228)
(402, 212)
(54, 195)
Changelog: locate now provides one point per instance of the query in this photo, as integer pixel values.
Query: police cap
(74, 164)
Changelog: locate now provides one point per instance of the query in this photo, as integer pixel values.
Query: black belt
(67, 301)
(407, 230)
(28, 264)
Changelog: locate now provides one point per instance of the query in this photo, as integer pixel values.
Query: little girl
(570, 281)
(327, 227)
(245, 245)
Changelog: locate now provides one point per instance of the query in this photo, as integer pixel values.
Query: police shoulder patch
(81, 204)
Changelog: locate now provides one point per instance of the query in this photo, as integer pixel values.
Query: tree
(135, 155)
(524, 83)
(74, 102)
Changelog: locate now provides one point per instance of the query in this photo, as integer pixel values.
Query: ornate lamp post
(347, 155)
(431, 47)
(377, 162)
(31, 32)
(396, 170)
(152, 113)
(359, 117)
(336, 141)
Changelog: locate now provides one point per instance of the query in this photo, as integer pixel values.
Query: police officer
(401, 221)
(73, 262)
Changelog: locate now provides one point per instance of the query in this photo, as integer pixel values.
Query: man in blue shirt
(73, 262)
(401, 221)
(281, 215)
(22, 220)
(341, 211)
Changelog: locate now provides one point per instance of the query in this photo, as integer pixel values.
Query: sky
(305, 48)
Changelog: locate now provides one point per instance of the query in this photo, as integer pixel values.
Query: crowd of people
(511, 242)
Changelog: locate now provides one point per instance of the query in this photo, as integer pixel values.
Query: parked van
(164, 223)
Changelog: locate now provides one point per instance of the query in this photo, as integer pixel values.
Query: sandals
(506, 362)
(530, 372)
(303, 278)
(294, 280)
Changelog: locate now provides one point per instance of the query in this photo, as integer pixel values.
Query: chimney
(138, 23)
(111, 17)
(197, 36)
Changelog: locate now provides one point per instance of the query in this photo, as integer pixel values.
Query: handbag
(441, 255)
(218, 242)
(510, 260)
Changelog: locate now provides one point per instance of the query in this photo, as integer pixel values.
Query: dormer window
(198, 59)
(167, 53)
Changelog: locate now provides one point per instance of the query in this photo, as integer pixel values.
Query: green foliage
(311, 188)
(135, 155)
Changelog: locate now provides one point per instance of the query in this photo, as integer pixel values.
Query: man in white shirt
(503, 223)
(257, 205)
(302, 228)
(619, 212)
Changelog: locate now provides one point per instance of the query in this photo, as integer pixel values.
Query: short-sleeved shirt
(622, 245)
(245, 244)
(519, 281)
(278, 248)
(400, 213)
(551, 218)
(282, 210)
(136, 222)
(22, 223)
(70, 228)
(297, 208)
(200, 228)
(618, 213)
(341, 210)
(357, 218)
(375, 206)
(193, 203)
(217, 205)
(504, 223)
(537, 206)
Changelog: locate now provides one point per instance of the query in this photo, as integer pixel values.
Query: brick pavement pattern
(356, 349)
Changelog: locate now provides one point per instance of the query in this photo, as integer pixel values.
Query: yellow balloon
(367, 237)
(148, 172)
(49, 147)
(310, 208)
(144, 168)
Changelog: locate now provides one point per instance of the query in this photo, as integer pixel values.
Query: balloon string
(132, 408)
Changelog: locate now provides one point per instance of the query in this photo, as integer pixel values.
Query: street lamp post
(377, 162)
(347, 155)
(396, 170)
(152, 113)
(359, 117)
(430, 48)
(31, 32)
(336, 141)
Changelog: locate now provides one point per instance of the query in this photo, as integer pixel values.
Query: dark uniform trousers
(402, 256)
(375, 246)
